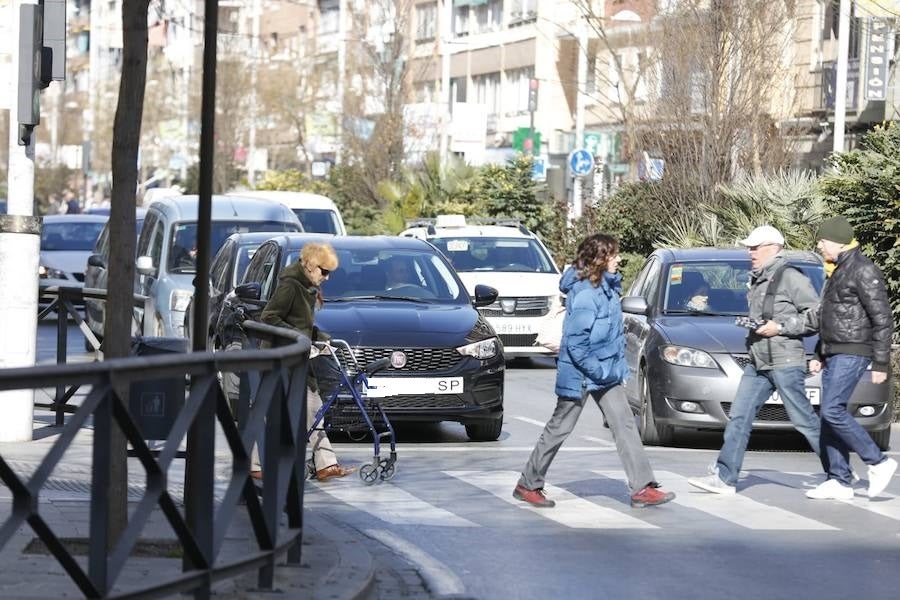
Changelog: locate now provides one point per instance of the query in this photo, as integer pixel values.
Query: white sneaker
(880, 476)
(831, 489)
(712, 483)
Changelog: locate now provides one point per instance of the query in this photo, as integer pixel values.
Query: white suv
(508, 257)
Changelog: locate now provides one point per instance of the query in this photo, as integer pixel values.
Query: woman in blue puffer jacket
(592, 361)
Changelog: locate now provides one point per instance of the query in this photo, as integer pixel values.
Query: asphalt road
(449, 510)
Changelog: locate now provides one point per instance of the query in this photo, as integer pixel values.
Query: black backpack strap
(768, 310)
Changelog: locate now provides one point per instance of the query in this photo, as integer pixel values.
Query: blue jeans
(840, 432)
(753, 391)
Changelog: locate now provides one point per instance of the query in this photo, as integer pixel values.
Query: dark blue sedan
(396, 298)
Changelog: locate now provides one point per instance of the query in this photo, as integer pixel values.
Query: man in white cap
(780, 296)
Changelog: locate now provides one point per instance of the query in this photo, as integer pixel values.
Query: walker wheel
(368, 473)
(387, 471)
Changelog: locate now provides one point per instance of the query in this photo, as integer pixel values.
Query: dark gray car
(686, 355)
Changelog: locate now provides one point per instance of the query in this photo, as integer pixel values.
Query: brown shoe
(533, 497)
(333, 471)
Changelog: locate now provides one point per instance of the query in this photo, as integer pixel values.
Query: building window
(515, 93)
(522, 12)
(458, 89)
(426, 18)
(487, 91)
(460, 20)
(329, 16)
(489, 16)
(832, 25)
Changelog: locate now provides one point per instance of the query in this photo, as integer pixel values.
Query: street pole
(447, 102)
(19, 250)
(840, 88)
(254, 66)
(342, 67)
(575, 212)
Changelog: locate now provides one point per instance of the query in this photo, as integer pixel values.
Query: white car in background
(66, 243)
(508, 257)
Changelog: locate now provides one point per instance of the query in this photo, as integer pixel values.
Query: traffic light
(532, 95)
(42, 55)
(31, 60)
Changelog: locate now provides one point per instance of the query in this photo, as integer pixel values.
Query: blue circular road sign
(580, 162)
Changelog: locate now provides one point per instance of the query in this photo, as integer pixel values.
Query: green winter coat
(293, 305)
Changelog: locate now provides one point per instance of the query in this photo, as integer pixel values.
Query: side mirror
(144, 265)
(484, 295)
(248, 291)
(635, 305)
(95, 260)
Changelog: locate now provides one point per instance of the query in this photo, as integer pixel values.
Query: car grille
(518, 339)
(743, 360)
(526, 306)
(768, 412)
(418, 360)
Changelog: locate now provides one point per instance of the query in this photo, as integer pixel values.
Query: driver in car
(398, 274)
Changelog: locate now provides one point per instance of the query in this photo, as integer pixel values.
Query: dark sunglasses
(324, 272)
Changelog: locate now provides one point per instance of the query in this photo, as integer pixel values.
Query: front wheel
(488, 431)
(651, 433)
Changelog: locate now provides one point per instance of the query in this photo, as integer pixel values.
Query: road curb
(353, 577)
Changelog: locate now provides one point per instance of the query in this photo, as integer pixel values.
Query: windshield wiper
(377, 297)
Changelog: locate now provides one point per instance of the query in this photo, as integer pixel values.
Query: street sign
(592, 142)
(580, 162)
(539, 169)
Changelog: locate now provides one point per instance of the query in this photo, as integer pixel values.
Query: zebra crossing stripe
(737, 509)
(390, 503)
(570, 510)
(886, 505)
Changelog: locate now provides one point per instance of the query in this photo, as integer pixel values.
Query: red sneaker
(533, 497)
(650, 496)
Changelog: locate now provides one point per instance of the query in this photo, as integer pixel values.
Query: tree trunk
(120, 294)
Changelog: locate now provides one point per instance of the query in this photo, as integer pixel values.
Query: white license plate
(382, 387)
(512, 328)
(812, 394)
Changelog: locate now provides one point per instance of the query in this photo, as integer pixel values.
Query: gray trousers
(614, 404)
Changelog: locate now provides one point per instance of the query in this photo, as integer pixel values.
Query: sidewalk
(337, 562)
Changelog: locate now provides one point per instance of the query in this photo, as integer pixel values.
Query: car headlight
(687, 357)
(481, 350)
(180, 299)
(50, 273)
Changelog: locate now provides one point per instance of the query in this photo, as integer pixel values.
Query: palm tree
(787, 200)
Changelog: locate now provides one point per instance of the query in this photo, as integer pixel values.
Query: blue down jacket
(592, 349)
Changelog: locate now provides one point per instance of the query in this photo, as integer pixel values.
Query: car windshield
(317, 220)
(522, 255)
(183, 251)
(70, 236)
(391, 275)
(718, 287)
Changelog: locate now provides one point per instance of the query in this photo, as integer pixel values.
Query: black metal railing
(61, 300)
(278, 410)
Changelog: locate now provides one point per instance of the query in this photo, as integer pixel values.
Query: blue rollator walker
(348, 409)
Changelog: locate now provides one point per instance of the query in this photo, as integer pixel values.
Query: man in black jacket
(855, 329)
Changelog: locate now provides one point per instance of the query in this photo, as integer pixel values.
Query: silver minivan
(167, 248)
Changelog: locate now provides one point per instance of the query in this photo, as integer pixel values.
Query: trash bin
(155, 403)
